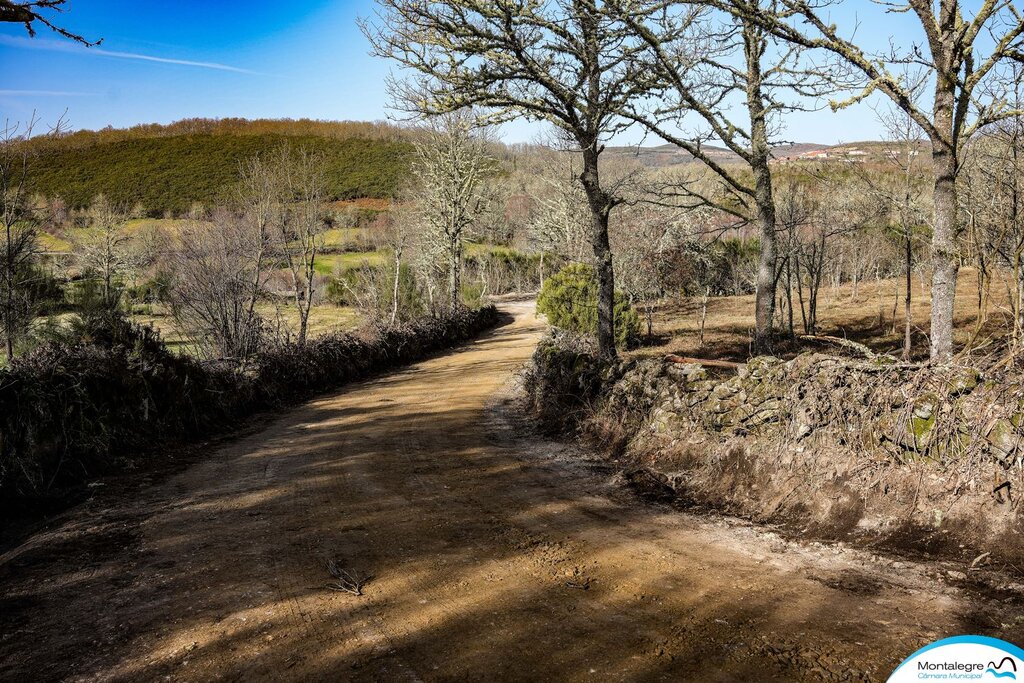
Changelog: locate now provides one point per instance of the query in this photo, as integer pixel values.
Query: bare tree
(214, 265)
(300, 233)
(103, 249)
(563, 62)
(397, 237)
(902, 193)
(739, 104)
(965, 57)
(794, 208)
(647, 241)
(37, 11)
(451, 165)
(426, 257)
(370, 290)
(559, 224)
(818, 209)
(840, 209)
(992, 201)
(259, 192)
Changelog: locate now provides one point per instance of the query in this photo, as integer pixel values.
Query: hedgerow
(112, 396)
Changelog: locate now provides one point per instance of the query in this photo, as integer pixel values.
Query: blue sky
(253, 59)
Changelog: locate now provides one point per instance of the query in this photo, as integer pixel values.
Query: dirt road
(493, 556)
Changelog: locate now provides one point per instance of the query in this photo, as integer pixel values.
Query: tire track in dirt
(496, 555)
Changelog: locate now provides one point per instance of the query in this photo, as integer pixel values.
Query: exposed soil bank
(495, 555)
(924, 460)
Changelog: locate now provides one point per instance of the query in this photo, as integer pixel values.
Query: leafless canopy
(300, 232)
(450, 168)
(966, 58)
(218, 275)
(103, 250)
(563, 62)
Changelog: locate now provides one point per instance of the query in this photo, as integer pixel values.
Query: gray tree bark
(945, 259)
(760, 153)
(600, 204)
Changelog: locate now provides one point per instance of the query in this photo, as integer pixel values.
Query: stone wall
(922, 458)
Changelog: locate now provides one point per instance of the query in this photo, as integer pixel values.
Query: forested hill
(169, 168)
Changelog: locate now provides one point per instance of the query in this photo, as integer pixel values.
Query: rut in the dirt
(493, 554)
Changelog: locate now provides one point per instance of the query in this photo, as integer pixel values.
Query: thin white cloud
(45, 93)
(58, 46)
(165, 60)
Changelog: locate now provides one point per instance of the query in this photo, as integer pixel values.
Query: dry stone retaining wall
(923, 458)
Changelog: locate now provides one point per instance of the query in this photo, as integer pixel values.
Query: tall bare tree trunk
(9, 275)
(764, 307)
(856, 272)
(303, 326)
(789, 296)
(907, 321)
(754, 45)
(307, 303)
(945, 261)
(394, 293)
(454, 273)
(704, 313)
(600, 208)
(797, 255)
(1018, 269)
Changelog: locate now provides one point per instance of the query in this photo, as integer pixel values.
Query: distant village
(849, 154)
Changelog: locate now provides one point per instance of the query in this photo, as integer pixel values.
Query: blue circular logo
(963, 658)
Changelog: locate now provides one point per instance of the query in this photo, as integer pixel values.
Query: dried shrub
(110, 394)
(564, 379)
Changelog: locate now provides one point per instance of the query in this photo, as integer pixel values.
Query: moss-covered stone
(962, 381)
(1003, 439)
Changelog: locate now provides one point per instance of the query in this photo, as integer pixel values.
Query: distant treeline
(366, 130)
(170, 173)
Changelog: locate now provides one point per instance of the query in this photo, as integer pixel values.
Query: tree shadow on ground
(490, 561)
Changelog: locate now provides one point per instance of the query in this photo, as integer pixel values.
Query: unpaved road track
(493, 557)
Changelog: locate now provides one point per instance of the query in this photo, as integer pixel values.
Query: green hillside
(173, 172)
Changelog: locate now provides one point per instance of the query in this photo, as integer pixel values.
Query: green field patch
(340, 238)
(53, 243)
(328, 264)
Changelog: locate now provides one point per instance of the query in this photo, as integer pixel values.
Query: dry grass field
(865, 317)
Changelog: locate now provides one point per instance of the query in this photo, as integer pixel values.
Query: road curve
(493, 556)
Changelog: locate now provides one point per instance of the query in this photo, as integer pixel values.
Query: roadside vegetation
(234, 237)
(109, 394)
(127, 334)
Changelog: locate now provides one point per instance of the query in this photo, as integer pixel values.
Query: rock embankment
(924, 458)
